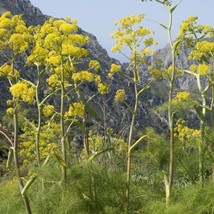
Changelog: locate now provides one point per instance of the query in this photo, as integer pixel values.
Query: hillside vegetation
(62, 151)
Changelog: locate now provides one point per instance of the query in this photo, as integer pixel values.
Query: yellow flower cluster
(130, 20)
(83, 76)
(76, 39)
(155, 73)
(38, 55)
(67, 28)
(184, 133)
(9, 102)
(76, 109)
(18, 43)
(23, 91)
(95, 65)
(201, 69)
(95, 142)
(182, 96)
(56, 41)
(8, 71)
(48, 110)
(202, 49)
(148, 42)
(103, 88)
(53, 81)
(97, 78)
(28, 150)
(10, 111)
(119, 96)
(114, 69)
(14, 33)
(52, 41)
(53, 58)
(130, 35)
(48, 135)
(3, 33)
(147, 51)
(187, 25)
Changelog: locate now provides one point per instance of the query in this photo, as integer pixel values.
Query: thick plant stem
(201, 142)
(62, 127)
(202, 129)
(212, 121)
(16, 161)
(169, 183)
(128, 172)
(85, 138)
(15, 151)
(38, 128)
(167, 189)
(171, 130)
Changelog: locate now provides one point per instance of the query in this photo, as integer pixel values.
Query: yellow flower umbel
(137, 38)
(76, 110)
(83, 76)
(48, 110)
(182, 96)
(103, 88)
(94, 65)
(183, 101)
(8, 71)
(114, 69)
(200, 69)
(119, 96)
(23, 91)
(186, 134)
(13, 33)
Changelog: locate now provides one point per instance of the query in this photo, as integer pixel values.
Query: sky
(98, 16)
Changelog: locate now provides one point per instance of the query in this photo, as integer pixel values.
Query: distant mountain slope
(119, 114)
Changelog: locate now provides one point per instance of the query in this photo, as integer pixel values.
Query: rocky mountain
(114, 115)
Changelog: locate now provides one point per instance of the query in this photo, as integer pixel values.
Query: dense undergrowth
(95, 189)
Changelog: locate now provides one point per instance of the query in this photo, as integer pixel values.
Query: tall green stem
(202, 129)
(130, 138)
(15, 153)
(38, 129)
(16, 160)
(169, 181)
(62, 126)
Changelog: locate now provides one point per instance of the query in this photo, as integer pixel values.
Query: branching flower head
(14, 33)
(38, 55)
(200, 69)
(155, 72)
(119, 96)
(53, 80)
(134, 36)
(48, 110)
(182, 96)
(95, 65)
(202, 51)
(23, 91)
(10, 111)
(8, 71)
(114, 69)
(103, 88)
(76, 110)
(184, 133)
(83, 76)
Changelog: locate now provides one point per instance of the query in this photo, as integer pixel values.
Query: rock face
(104, 105)
(32, 15)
